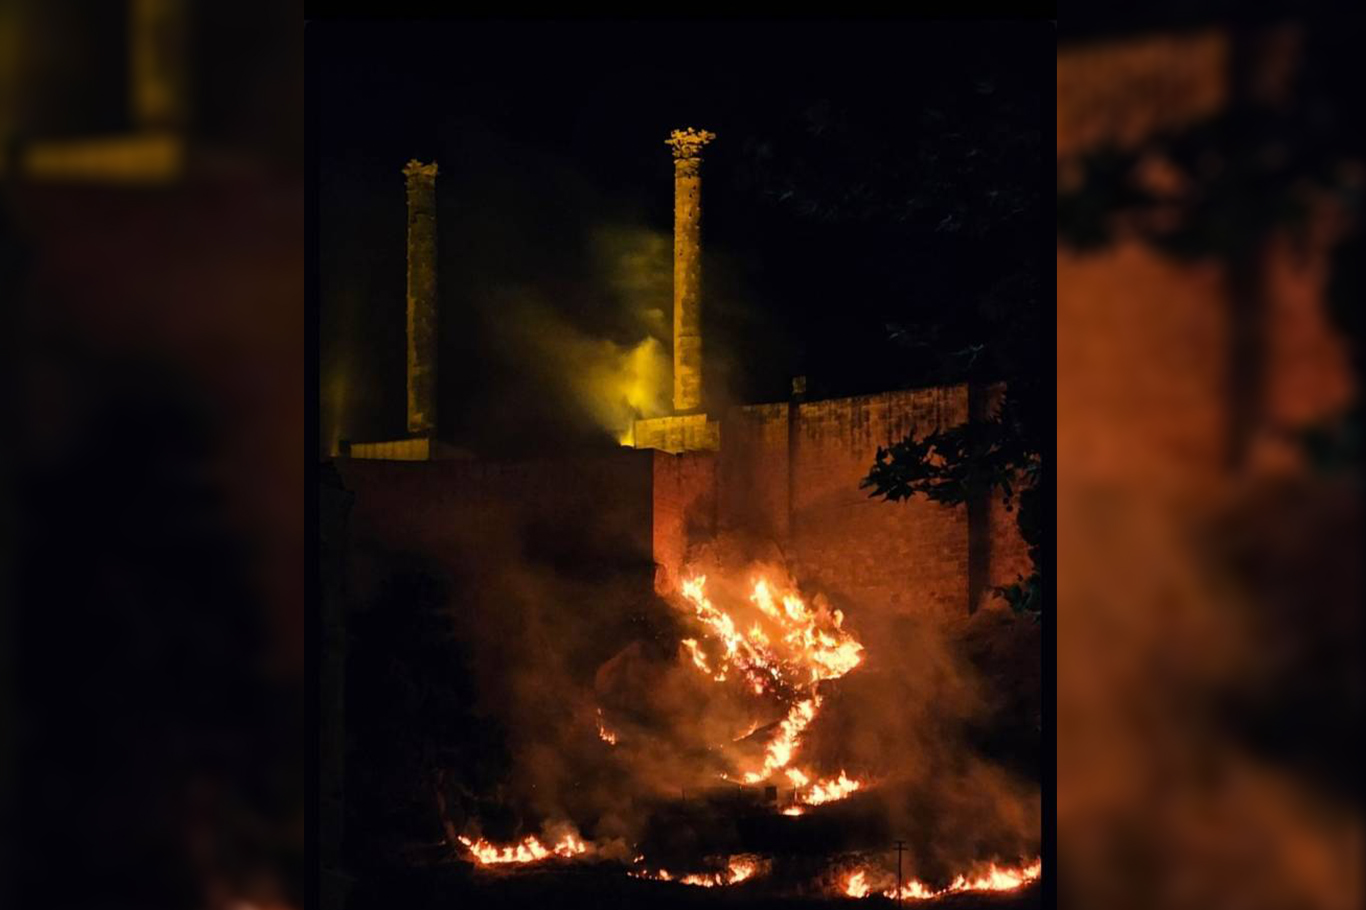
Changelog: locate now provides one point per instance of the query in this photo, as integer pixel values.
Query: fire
(913, 890)
(829, 791)
(792, 645)
(781, 749)
(605, 734)
(998, 879)
(738, 870)
(661, 876)
(994, 878)
(529, 850)
(570, 846)
(809, 643)
(700, 660)
(794, 810)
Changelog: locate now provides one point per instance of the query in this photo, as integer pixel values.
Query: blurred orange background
(1208, 567)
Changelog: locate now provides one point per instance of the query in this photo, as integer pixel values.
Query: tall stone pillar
(687, 147)
(422, 309)
(158, 72)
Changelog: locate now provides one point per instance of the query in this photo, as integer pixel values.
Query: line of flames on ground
(529, 850)
(992, 878)
(738, 869)
(855, 884)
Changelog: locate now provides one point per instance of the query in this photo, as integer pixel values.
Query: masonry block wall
(591, 511)
(683, 510)
(790, 473)
(909, 556)
(754, 479)
(786, 474)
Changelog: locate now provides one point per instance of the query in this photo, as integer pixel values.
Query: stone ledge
(688, 433)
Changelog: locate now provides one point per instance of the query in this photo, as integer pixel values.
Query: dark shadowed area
(151, 282)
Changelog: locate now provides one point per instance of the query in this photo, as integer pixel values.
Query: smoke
(599, 382)
(556, 299)
(581, 361)
(557, 658)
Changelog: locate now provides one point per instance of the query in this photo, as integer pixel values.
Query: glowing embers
(529, 850)
(738, 869)
(992, 878)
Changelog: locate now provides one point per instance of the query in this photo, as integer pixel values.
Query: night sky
(861, 176)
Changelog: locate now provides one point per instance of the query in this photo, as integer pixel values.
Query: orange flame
(831, 790)
(784, 745)
(529, 850)
(813, 641)
(800, 647)
(605, 734)
(994, 878)
(738, 870)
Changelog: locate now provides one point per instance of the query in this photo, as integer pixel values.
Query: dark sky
(822, 218)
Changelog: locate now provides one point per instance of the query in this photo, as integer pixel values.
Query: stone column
(422, 310)
(687, 147)
(158, 73)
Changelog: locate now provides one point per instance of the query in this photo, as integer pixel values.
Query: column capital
(415, 168)
(687, 144)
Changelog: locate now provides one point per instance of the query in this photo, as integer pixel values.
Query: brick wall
(683, 511)
(591, 510)
(786, 474)
(754, 471)
(790, 474)
(908, 556)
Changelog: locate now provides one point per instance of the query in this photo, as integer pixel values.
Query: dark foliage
(954, 194)
(1255, 168)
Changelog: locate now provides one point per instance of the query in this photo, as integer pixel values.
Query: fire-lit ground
(456, 885)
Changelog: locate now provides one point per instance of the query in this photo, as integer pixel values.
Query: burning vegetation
(529, 850)
(859, 883)
(765, 660)
(784, 652)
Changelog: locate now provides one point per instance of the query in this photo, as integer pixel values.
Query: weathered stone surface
(422, 297)
(687, 148)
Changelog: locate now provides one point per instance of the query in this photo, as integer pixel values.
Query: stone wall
(789, 473)
(578, 513)
(786, 476)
